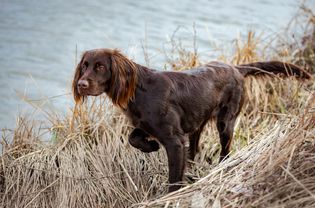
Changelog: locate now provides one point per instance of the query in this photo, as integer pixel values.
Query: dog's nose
(83, 84)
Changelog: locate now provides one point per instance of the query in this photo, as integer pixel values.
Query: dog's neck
(142, 73)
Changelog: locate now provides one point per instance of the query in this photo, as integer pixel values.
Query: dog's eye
(83, 69)
(99, 67)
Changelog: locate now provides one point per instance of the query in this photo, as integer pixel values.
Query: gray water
(38, 39)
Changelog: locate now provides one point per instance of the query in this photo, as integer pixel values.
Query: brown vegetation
(91, 164)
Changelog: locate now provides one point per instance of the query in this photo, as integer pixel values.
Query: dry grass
(89, 162)
(276, 169)
(300, 50)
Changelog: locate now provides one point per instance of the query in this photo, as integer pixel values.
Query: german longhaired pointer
(172, 107)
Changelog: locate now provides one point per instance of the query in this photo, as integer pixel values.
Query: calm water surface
(38, 39)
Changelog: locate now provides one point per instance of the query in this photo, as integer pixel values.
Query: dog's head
(105, 70)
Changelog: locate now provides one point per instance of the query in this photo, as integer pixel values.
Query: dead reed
(89, 163)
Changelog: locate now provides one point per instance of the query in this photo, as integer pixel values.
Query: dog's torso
(191, 98)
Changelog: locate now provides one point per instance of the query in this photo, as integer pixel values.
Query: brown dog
(172, 107)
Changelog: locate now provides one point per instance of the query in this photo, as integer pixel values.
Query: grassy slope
(91, 164)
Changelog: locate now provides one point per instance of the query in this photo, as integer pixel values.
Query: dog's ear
(123, 80)
(77, 75)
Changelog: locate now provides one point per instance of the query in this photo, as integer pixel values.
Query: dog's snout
(83, 84)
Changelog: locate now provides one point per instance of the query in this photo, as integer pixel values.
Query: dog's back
(198, 94)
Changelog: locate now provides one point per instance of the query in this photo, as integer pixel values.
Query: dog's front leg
(175, 150)
(138, 139)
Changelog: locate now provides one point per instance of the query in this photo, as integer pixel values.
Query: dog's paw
(150, 146)
(154, 145)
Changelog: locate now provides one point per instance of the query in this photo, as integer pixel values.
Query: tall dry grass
(89, 162)
(276, 169)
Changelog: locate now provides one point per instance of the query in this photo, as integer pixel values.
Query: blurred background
(40, 41)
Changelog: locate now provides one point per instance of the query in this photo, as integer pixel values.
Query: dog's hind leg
(138, 139)
(225, 125)
(225, 128)
(226, 118)
(194, 138)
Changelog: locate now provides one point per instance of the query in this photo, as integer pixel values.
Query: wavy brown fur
(123, 80)
(77, 74)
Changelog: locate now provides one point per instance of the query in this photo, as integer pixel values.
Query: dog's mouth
(87, 92)
(92, 88)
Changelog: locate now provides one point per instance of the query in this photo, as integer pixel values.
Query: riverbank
(89, 163)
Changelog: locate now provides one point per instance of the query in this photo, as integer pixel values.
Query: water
(38, 39)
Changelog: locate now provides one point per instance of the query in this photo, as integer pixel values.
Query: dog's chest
(134, 114)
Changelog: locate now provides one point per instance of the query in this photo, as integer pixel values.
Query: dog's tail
(272, 67)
